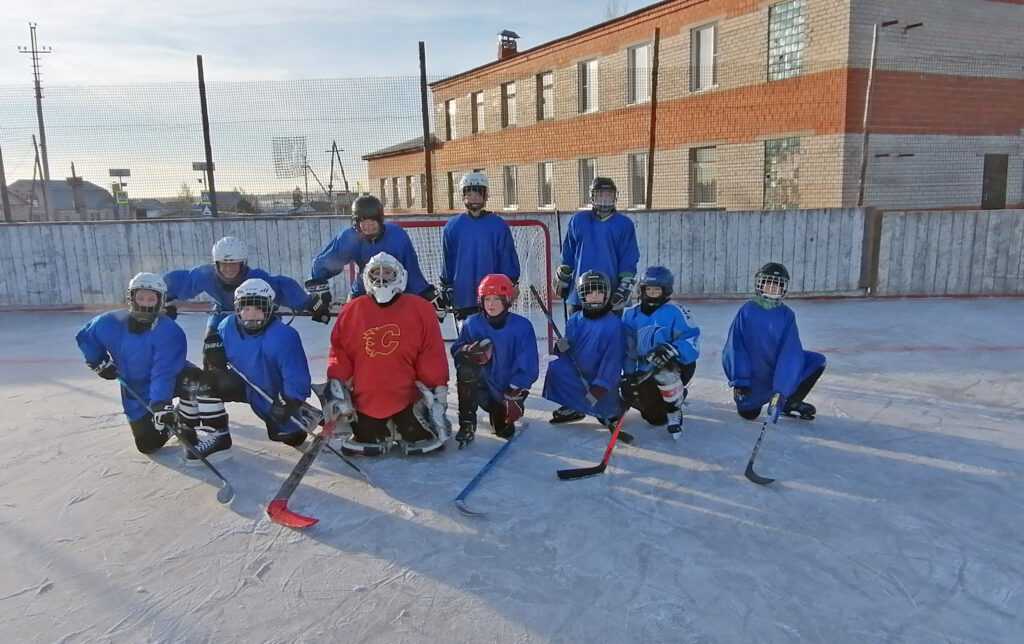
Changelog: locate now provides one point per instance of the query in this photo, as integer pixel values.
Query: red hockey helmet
(496, 284)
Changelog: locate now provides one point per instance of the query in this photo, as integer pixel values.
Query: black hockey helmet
(368, 207)
(603, 207)
(772, 274)
(594, 282)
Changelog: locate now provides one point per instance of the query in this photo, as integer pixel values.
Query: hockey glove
(164, 416)
(622, 293)
(106, 369)
(436, 402)
(444, 300)
(214, 356)
(281, 411)
(338, 403)
(479, 352)
(515, 401)
(320, 300)
(775, 407)
(663, 355)
(430, 293)
(171, 311)
(563, 281)
(739, 394)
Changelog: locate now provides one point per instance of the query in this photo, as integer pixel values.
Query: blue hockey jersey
(763, 352)
(515, 361)
(598, 348)
(349, 246)
(149, 361)
(668, 323)
(274, 361)
(186, 284)
(472, 248)
(608, 246)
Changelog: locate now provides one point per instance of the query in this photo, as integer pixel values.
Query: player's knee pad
(670, 386)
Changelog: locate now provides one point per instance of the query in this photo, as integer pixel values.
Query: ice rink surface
(898, 514)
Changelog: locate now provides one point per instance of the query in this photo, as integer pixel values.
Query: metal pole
(211, 188)
(654, 118)
(8, 218)
(428, 189)
(34, 50)
(864, 124)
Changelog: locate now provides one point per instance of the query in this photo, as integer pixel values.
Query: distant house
(151, 208)
(82, 202)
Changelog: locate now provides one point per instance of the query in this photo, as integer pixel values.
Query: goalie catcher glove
(106, 369)
(664, 354)
(320, 304)
(563, 281)
(338, 403)
(436, 402)
(622, 293)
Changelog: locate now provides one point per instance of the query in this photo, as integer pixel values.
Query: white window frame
(450, 113)
(638, 76)
(545, 96)
(546, 175)
(587, 84)
(700, 50)
(383, 191)
(696, 168)
(394, 192)
(637, 160)
(584, 182)
(508, 104)
(476, 102)
(510, 174)
(408, 191)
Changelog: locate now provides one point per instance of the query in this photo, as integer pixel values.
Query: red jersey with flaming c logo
(384, 350)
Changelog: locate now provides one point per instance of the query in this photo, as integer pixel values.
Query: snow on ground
(897, 516)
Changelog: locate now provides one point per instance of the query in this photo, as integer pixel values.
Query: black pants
(192, 384)
(231, 388)
(646, 397)
(474, 394)
(367, 429)
(798, 396)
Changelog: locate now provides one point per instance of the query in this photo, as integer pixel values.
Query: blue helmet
(658, 276)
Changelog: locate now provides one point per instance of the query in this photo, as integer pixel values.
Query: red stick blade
(280, 514)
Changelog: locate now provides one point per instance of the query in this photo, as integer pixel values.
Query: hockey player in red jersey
(387, 367)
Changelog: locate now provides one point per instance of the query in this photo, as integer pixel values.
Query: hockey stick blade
(463, 508)
(280, 514)
(460, 500)
(582, 472)
(751, 475)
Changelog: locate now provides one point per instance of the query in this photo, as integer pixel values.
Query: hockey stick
(751, 475)
(582, 472)
(226, 492)
(626, 436)
(558, 223)
(267, 398)
(278, 510)
(460, 500)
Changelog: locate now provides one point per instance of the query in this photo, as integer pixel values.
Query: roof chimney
(507, 45)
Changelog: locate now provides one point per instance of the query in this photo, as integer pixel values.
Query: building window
(545, 182)
(421, 188)
(383, 191)
(545, 96)
(993, 181)
(638, 74)
(510, 179)
(408, 192)
(703, 55)
(586, 74)
(782, 173)
(451, 191)
(638, 180)
(476, 101)
(787, 37)
(703, 177)
(394, 193)
(587, 172)
(508, 104)
(449, 120)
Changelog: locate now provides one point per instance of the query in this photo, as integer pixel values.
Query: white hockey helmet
(230, 250)
(473, 181)
(384, 278)
(255, 292)
(146, 282)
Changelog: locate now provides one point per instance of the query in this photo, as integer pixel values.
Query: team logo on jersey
(381, 340)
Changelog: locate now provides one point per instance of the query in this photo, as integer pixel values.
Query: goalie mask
(145, 297)
(603, 195)
(655, 277)
(230, 255)
(384, 278)
(595, 291)
(254, 305)
(771, 283)
(367, 209)
(500, 286)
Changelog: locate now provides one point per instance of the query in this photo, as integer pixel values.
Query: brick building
(759, 105)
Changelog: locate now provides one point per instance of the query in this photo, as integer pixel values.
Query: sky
(103, 41)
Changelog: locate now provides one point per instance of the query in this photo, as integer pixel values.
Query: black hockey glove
(622, 293)
(430, 293)
(563, 281)
(106, 369)
(478, 352)
(444, 300)
(214, 356)
(320, 300)
(164, 416)
(280, 412)
(663, 355)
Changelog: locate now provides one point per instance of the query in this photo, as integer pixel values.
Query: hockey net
(533, 246)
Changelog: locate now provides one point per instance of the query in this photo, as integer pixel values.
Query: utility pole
(35, 50)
